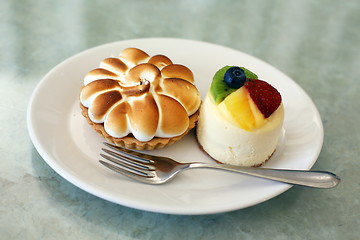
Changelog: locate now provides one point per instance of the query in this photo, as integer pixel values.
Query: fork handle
(316, 179)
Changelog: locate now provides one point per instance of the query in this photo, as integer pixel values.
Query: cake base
(203, 150)
(131, 142)
(228, 143)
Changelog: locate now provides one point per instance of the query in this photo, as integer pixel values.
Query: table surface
(316, 43)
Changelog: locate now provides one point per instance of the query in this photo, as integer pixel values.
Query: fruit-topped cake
(140, 101)
(240, 119)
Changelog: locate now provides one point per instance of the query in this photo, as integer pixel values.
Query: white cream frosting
(226, 142)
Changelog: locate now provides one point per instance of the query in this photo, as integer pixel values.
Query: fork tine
(132, 175)
(129, 160)
(125, 165)
(138, 155)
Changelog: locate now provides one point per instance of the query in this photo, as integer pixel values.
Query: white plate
(71, 147)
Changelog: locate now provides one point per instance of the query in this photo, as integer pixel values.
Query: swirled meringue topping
(146, 96)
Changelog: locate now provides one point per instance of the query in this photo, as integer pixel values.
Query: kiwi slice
(219, 89)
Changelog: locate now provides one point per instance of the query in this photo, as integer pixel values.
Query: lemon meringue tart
(140, 101)
(241, 118)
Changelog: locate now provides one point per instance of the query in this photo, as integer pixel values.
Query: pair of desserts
(147, 102)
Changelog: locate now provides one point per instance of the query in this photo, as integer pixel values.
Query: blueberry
(235, 77)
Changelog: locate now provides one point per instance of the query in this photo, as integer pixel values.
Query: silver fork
(157, 170)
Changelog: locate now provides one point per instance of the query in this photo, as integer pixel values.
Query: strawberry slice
(265, 96)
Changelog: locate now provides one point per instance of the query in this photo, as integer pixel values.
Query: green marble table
(316, 43)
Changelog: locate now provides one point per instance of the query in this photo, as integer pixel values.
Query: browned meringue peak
(136, 90)
(102, 104)
(160, 61)
(143, 117)
(134, 55)
(96, 87)
(177, 71)
(115, 65)
(146, 96)
(99, 73)
(185, 92)
(174, 119)
(117, 120)
(142, 72)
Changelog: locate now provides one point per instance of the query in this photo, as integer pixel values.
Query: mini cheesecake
(241, 118)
